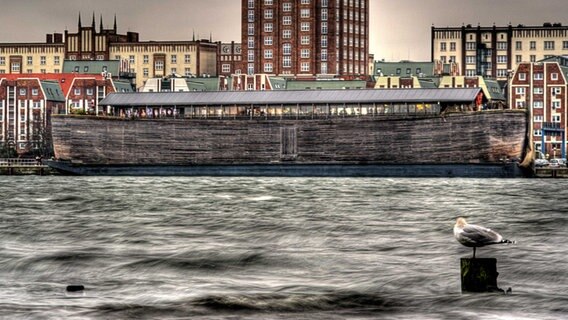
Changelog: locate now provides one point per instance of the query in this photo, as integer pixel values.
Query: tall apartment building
(306, 38)
(496, 51)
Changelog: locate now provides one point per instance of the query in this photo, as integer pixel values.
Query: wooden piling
(479, 275)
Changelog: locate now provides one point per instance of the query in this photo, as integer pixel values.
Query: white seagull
(471, 235)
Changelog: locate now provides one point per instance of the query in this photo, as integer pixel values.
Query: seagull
(471, 235)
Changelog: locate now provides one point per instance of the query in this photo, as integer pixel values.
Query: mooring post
(479, 275)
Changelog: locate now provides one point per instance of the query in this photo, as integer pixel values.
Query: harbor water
(276, 248)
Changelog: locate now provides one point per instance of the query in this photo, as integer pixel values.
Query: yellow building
(147, 59)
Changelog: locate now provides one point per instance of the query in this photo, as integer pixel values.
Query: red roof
(65, 80)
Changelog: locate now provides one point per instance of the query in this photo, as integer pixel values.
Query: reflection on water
(276, 248)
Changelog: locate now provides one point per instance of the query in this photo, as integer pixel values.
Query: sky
(399, 29)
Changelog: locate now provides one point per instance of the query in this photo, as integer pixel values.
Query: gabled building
(27, 102)
(542, 88)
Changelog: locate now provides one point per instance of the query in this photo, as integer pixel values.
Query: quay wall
(474, 137)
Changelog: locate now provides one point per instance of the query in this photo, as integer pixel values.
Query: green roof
(404, 68)
(123, 86)
(203, 84)
(52, 91)
(91, 67)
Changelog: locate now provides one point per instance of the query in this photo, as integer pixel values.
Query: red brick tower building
(306, 38)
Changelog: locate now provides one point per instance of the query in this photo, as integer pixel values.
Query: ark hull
(498, 170)
(474, 144)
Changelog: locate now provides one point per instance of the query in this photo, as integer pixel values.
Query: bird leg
(473, 252)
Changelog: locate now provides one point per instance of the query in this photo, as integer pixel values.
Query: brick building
(306, 38)
(28, 100)
(542, 87)
(495, 51)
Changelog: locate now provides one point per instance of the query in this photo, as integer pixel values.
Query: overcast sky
(400, 29)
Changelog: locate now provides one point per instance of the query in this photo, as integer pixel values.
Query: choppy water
(276, 248)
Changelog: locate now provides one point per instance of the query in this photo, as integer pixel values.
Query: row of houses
(27, 102)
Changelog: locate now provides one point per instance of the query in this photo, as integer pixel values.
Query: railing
(19, 162)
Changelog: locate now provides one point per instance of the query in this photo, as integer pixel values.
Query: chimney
(48, 38)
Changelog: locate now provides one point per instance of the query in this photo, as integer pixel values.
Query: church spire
(101, 24)
(93, 23)
(115, 29)
(79, 20)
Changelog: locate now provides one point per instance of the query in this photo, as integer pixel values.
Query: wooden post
(479, 275)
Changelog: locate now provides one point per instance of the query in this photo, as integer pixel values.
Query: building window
(520, 104)
(187, 72)
(268, 2)
(268, 40)
(324, 27)
(469, 59)
(305, 53)
(305, 26)
(442, 46)
(145, 72)
(520, 90)
(268, 27)
(538, 104)
(555, 104)
(250, 16)
(549, 45)
(556, 90)
(305, 1)
(250, 68)
(286, 61)
(522, 76)
(23, 91)
(518, 58)
(145, 59)
(251, 3)
(225, 68)
(30, 61)
(533, 58)
(159, 65)
(77, 91)
(554, 76)
(538, 76)
(556, 118)
(323, 54)
(250, 29)
(35, 92)
(538, 90)
(287, 20)
(501, 73)
(89, 91)
(324, 41)
(268, 54)
(15, 67)
(42, 60)
(470, 46)
(268, 67)
(250, 56)
(305, 67)
(287, 7)
(305, 40)
(287, 49)
(2, 61)
(173, 58)
(452, 46)
(187, 58)
(502, 59)
(532, 45)
(268, 14)
(287, 34)
(519, 45)
(56, 60)
(305, 13)
(501, 45)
